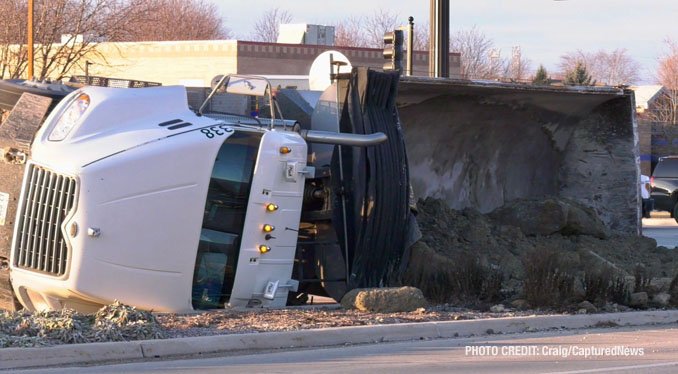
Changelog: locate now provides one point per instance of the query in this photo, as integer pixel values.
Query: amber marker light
(285, 150)
(264, 249)
(271, 207)
(268, 228)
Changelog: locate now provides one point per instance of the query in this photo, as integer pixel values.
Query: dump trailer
(130, 195)
(479, 144)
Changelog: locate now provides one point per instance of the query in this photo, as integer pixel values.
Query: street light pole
(30, 39)
(410, 45)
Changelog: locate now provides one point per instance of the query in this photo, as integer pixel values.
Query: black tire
(675, 212)
(12, 89)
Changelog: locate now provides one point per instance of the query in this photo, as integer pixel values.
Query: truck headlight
(69, 118)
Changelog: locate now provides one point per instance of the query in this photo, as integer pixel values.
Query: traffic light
(394, 50)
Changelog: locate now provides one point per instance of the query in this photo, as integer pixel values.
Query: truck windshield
(223, 221)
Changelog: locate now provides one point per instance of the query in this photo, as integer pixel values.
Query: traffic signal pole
(439, 47)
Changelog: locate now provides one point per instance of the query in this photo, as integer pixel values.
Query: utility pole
(439, 45)
(30, 39)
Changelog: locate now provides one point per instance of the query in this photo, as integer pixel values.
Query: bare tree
(376, 25)
(67, 31)
(421, 36)
(178, 20)
(667, 76)
(479, 57)
(518, 67)
(569, 61)
(612, 68)
(368, 31)
(13, 55)
(267, 28)
(349, 32)
(617, 67)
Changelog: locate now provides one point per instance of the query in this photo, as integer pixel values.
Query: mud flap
(16, 136)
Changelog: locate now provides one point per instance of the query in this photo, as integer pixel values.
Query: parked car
(664, 183)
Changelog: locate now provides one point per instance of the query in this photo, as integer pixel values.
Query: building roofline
(326, 46)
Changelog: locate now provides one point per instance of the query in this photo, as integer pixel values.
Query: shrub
(642, 279)
(548, 280)
(442, 280)
(597, 283)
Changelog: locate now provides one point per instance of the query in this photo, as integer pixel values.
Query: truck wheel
(675, 212)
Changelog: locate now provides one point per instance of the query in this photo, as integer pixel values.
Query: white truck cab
(141, 198)
(131, 195)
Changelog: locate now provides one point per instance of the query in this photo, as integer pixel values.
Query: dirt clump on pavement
(553, 245)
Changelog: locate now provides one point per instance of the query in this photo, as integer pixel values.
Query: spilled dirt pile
(492, 256)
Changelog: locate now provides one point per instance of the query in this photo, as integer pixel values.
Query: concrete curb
(138, 350)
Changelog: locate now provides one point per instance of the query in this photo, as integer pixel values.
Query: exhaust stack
(328, 137)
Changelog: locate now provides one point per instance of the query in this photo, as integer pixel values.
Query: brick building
(195, 63)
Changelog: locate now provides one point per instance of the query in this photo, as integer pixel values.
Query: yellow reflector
(264, 248)
(268, 228)
(271, 207)
(285, 150)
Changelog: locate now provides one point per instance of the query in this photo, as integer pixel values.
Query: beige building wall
(169, 63)
(195, 63)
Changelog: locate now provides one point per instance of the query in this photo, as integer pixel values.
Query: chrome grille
(48, 198)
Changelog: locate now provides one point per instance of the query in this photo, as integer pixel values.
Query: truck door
(223, 220)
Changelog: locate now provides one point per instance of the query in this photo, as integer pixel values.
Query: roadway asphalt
(662, 228)
(517, 353)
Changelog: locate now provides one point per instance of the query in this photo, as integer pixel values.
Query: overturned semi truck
(175, 209)
(129, 194)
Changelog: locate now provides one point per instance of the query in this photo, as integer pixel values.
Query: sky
(544, 29)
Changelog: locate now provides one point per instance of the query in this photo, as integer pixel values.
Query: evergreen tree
(578, 76)
(541, 77)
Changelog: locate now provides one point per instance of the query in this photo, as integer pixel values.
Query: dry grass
(548, 281)
(463, 281)
(597, 282)
(643, 279)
